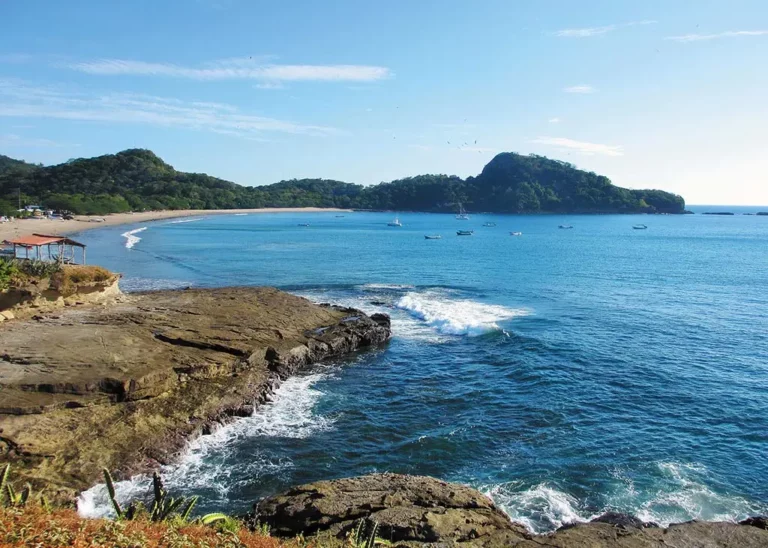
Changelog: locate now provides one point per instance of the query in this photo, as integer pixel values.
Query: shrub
(68, 277)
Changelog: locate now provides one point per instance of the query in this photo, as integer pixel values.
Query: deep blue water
(563, 372)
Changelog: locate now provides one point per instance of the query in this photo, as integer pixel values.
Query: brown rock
(123, 386)
(410, 510)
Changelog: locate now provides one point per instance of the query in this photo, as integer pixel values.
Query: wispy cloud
(583, 147)
(11, 140)
(581, 88)
(18, 99)
(554, 120)
(727, 34)
(270, 85)
(596, 31)
(237, 69)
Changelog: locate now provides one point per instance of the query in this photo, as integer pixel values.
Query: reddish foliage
(33, 527)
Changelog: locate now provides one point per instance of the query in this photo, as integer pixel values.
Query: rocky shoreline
(419, 511)
(125, 384)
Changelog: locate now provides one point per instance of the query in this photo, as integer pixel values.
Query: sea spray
(130, 237)
(456, 317)
(204, 465)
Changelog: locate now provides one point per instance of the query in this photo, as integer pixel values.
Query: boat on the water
(462, 215)
(515, 233)
(640, 227)
(464, 232)
(339, 216)
(565, 226)
(395, 222)
(433, 237)
(303, 224)
(489, 224)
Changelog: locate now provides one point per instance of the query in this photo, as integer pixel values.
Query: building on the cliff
(45, 247)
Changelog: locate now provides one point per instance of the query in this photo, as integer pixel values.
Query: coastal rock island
(122, 385)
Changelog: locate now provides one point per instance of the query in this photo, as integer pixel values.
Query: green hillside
(136, 180)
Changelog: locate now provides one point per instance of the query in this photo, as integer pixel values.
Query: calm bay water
(563, 372)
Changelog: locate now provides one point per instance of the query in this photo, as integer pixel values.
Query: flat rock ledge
(419, 511)
(124, 385)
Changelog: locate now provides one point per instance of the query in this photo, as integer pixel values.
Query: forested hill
(135, 180)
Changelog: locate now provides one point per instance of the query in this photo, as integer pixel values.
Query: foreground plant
(165, 507)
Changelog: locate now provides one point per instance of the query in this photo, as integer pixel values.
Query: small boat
(565, 226)
(395, 222)
(490, 224)
(464, 232)
(435, 237)
(515, 233)
(240, 214)
(303, 224)
(462, 215)
(640, 227)
(338, 216)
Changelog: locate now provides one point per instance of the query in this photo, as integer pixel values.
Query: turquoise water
(563, 372)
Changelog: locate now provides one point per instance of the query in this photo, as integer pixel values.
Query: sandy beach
(22, 227)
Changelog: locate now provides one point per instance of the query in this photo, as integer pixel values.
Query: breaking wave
(207, 463)
(678, 494)
(456, 317)
(130, 237)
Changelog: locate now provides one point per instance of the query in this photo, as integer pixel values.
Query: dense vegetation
(136, 180)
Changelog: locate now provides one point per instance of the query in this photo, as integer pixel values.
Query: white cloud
(11, 140)
(421, 147)
(595, 31)
(237, 69)
(580, 146)
(269, 85)
(17, 99)
(727, 34)
(16, 58)
(581, 88)
(554, 120)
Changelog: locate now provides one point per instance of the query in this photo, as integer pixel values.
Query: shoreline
(81, 223)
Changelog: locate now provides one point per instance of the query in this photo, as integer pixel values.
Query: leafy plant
(164, 507)
(7, 492)
(364, 535)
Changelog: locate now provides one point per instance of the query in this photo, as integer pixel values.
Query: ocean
(562, 372)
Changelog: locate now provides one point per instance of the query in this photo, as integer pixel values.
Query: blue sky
(662, 94)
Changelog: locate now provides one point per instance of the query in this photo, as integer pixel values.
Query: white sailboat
(395, 222)
(462, 215)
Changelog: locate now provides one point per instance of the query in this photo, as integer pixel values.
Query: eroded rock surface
(422, 511)
(123, 386)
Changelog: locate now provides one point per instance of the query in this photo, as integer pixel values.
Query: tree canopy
(136, 180)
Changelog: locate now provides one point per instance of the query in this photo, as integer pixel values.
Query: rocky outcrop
(421, 511)
(124, 386)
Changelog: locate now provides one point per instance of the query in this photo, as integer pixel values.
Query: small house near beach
(44, 247)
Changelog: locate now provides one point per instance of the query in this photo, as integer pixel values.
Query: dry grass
(33, 527)
(66, 280)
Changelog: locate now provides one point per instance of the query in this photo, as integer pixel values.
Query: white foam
(186, 220)
(540, 508)
(456, 317)
(152, 284)
(240, 214)
(288, 414)
(130, 237)
(679, 493)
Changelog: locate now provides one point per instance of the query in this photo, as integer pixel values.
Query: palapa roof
(36, 240)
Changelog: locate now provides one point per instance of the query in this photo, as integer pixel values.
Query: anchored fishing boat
(433, 237)
(395, 222)
(464, 232)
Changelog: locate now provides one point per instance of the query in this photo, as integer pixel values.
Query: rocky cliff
(123, 386)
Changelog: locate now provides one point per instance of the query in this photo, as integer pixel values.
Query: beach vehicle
(462, 214)
(515, 233)
(464, 232)
(395, 222)
(433, 237)
(640, 227)
(565, 226)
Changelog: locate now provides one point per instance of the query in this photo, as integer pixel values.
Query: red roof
(43, 239)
